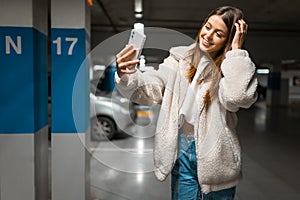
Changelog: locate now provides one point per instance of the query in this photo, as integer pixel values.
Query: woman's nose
(209, 34)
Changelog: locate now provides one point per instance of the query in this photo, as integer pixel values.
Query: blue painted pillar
(70, 38)
(273, 89)
(278, 90)
(23, 102)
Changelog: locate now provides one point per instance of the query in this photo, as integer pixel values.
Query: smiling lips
(205, 42)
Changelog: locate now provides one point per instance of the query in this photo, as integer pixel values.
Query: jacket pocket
(222, 163)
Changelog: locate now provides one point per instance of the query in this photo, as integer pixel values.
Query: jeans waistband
(187, 136)
(186, 141)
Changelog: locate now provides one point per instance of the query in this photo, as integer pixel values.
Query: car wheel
(102, 128)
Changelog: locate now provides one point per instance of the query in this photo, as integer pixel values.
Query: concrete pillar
(277, 89)
(23, 102)
(284, 92)
(70, 38)
(273, 89)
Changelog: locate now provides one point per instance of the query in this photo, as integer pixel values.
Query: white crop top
(188, 108)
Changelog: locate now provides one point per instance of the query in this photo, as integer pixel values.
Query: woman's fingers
(125, 50)
(127, 67)
(128, 64)
(127, 55)
(241, 26)
(129, 71)
(240, 34)
(237, 27)
(125, 64)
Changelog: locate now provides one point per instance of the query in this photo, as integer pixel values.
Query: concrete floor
(121, 169)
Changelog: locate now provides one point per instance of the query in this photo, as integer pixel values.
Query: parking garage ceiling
(186, 15)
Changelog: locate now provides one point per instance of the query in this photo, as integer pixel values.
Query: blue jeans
(184, 181)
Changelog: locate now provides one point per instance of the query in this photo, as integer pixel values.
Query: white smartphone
(137, 39)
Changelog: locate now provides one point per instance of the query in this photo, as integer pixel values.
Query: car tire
(102, 128)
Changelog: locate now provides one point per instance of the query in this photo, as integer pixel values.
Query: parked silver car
(110, 114)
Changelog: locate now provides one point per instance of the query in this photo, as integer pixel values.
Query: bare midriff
(187, 129)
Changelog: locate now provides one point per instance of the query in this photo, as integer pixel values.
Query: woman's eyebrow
(216, 29)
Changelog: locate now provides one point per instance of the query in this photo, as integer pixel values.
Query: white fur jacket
(217, 146)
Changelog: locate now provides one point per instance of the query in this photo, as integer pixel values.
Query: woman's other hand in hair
(240, 34)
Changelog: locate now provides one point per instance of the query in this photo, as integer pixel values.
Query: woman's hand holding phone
(125, 62)
(128, 58)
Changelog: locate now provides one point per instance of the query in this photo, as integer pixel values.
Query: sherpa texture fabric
(217, 146)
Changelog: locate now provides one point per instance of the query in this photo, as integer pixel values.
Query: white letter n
(9, 42)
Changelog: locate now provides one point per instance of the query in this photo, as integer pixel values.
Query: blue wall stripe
(64, 73)
(23, 79)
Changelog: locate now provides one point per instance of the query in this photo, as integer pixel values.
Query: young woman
(200, 89)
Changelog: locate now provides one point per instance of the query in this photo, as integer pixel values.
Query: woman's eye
(219, 35)
(207, 27)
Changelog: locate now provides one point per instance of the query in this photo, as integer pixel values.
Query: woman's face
(213, 35)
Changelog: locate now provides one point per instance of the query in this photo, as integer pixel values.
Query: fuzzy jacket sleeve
(238, 85)
(146, 88)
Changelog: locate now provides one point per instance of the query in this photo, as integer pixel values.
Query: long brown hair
(212, 73)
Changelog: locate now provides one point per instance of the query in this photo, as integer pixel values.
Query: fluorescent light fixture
(138, 15)
(262, 71)
(138, 6)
